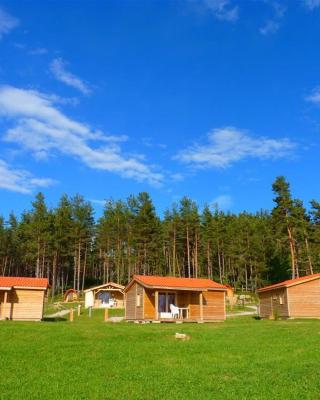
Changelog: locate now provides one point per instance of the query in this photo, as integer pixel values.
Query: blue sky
(207, 98)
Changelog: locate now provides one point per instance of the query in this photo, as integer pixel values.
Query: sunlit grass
(89, 359)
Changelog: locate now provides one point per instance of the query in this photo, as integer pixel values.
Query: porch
(108, 298)
(173, 305)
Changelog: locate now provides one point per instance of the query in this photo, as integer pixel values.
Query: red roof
(173, 282)
(290, 282)
(12, 281)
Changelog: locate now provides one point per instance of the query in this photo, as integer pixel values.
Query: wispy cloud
(223, 202)
(311, 4)
(222, 9)
(58, 69)
(7, 22)
(314, 97)
(38, 51)
(100, 203)
(273, 24)
(228, 145)
(20, 181)
(44, 130)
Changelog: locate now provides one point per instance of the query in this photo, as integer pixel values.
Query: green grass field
(242, 358)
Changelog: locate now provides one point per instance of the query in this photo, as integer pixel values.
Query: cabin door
(165, 299)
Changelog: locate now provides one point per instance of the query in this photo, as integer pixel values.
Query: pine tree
(284, 220)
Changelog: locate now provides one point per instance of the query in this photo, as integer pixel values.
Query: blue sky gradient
(207, 98)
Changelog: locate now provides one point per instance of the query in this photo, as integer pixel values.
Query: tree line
(72, 249)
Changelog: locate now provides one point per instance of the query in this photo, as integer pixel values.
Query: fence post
(71, 315)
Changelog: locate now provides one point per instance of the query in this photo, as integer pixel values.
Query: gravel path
(58, 314)
(240, 314)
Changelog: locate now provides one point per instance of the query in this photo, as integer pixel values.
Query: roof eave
(288, 285)
(30, 287)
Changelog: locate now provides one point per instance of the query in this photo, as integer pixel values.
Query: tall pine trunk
(188, 253)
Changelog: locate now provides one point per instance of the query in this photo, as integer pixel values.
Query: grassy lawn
(242, 358)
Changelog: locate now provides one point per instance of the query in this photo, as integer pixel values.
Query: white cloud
(272, 25)
(223, 202)
(44, 130)
(311, 4)
(222, 9)
(20, 181)
(314, 97)
(58, 69)
(228, 145)
(7, 22)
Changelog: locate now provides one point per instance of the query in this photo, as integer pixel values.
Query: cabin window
(281, 300)
(138, 300)
(274, 297)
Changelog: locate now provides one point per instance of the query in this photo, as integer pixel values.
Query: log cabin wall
(139, 307)
(194, 306)
(23, 304)
(183, 299)
(131, 295)
(265, 300)
(280, 303)
(304, 299)
(214, 305)
(149, 304)
(274, 303)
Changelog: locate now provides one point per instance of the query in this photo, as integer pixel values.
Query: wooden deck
(171, 321)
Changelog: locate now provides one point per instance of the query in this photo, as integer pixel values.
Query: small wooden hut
(22, 298)
(70, 295)
(108, 295)
(158, 298)
(293, 298)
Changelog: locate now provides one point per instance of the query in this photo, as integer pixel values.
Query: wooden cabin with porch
(108, 295)
(158, 298)
(293, 298)
(22, 298)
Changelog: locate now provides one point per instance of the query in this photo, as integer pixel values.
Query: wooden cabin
(70, 295)
(108, 295)
(22, 298)
(157, 298)
(294, 298)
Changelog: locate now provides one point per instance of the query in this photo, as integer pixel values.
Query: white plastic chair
(111, 303)
(174, 311)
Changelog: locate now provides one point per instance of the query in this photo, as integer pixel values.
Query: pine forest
(72, 249)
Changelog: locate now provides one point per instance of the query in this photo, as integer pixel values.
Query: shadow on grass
(54, 319)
